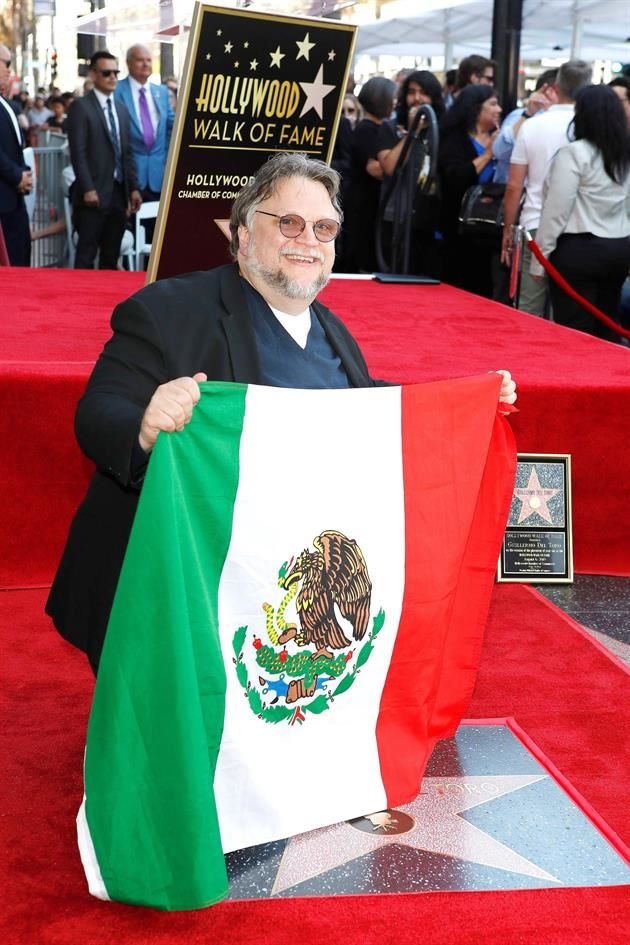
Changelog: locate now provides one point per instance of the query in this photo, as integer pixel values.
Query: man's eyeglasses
(107, 72)
(7, 62)
(291, 225)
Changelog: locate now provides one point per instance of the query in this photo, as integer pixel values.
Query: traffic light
(53, 66)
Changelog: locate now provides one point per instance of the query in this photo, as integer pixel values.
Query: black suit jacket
(172, 328)
(92, 149)
(12, 164)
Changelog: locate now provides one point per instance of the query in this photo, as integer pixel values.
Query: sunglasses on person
(7, 62)
(291, 225)
(107, 72)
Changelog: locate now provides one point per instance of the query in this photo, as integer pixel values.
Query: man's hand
(169, 409)
(26, 182)
(90, 198)
(135, 201)
(538, 101)
(507, 394)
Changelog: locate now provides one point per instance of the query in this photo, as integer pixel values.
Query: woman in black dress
(467, 132)
(377, 100)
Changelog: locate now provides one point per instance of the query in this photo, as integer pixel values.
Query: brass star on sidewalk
(437, 828)
(316, 92)
(304, 47)
(534, 499)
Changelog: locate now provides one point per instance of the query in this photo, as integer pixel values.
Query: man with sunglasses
(16, 178)
(106, 187)
(256, 321)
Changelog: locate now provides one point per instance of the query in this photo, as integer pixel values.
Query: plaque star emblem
(276, 57)
(228, 47)
(534, 499)
(316, 92)
(219, 32)
(304, 47)
(253, 65)
(331, 55)
(208, 56)
(437, 828)
(245, 45)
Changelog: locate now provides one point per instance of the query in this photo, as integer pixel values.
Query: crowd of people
(106, 184)
(523, 163)
(528, 170)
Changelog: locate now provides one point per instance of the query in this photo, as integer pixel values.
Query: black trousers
(595, 267)
(100, 231)
(17, 234)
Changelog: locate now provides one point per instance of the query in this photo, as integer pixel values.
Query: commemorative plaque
(252, 84)
(537, 547)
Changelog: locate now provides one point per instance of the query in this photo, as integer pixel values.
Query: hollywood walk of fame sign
(537, 546)
(253, 84)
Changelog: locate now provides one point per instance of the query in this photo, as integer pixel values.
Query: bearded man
(256, 321)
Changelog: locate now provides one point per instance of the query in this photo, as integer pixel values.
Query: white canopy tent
(588, 29)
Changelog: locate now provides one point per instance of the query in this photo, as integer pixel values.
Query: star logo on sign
(236, 65)
(245, 45)
(208, 56)
(331, 55)
(276, 57)
(315, 92)
(228, 47)
(253, 65)
(534, 499)
(304, 47)
(437, 828)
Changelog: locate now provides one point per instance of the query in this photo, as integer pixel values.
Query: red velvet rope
(551, 270)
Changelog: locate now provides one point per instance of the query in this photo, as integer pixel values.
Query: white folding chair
(148, 211)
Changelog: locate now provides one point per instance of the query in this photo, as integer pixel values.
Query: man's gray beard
(292, 288)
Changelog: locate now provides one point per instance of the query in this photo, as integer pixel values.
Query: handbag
(481, 212)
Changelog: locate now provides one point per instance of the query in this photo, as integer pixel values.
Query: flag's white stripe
(327, 460)
(88, 856)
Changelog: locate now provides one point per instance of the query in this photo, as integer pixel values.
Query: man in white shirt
(16, 178)
(535, 148)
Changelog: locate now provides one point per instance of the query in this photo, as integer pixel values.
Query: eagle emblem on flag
(332, 591)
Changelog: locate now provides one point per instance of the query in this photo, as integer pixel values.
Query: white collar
(102, 98)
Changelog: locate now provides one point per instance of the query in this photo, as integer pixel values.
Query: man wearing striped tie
(106, 188)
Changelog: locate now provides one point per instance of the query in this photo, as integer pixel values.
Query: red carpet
(574, 396)
(564, 692)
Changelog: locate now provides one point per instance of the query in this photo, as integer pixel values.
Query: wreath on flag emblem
(332, 592)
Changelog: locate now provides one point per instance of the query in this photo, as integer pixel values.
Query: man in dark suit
(16, 178)
(255, 322)
(106, 186)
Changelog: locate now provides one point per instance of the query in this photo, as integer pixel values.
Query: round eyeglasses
(291, 225)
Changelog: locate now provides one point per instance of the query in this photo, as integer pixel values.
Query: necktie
(145, 117)
(115, 141)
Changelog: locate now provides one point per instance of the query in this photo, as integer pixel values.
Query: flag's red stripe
(451, 547)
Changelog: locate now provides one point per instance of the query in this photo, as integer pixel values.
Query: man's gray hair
(573, 76)
(279, 167)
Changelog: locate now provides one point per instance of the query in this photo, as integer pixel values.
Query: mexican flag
(299, 618)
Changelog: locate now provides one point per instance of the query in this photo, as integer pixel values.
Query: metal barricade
(48, 224)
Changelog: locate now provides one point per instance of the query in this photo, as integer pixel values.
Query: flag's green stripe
(157, 716)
